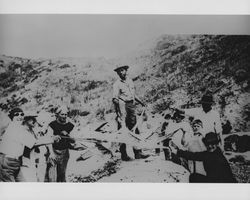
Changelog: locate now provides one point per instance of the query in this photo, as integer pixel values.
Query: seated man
(215, 164)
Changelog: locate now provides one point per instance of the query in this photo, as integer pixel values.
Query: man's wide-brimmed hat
(207, 98)
(211, 138)
(121, 67)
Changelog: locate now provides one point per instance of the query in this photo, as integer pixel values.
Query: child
(195, 144)
(215, 164)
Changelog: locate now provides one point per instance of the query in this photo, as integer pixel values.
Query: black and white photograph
(122, 99)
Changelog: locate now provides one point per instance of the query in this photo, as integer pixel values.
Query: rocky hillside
(174, 71)
(182, 68)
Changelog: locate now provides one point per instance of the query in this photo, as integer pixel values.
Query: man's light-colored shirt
(124, 89)
(211, 120)
(15, 138)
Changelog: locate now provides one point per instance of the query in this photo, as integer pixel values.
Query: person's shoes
(126, 158)
(141, 156)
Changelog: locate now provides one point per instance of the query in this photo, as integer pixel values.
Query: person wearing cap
(210, 118)
(59, 151)
(18, 135)
(124, 93)
(215, 164)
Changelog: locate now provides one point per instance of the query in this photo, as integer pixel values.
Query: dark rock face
(237, 143)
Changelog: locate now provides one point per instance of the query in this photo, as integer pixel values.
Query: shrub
(77, 112)
(64, 66)
(93, 84)
(7, 78)
(161, 106)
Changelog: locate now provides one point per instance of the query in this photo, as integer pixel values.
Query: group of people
(29, 155)
(199, 145)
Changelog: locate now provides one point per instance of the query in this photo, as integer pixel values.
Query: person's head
(30, 121)
(207, 102)
(122, 71)
(16, 114)
(62, 113)
(211, 141)
(197, 126)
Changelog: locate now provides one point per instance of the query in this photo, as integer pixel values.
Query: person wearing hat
(215, 164)
(124, 93)
(59, 151)
(210, 118)
(18, 136)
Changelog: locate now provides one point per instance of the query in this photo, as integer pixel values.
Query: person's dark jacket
(215, 165)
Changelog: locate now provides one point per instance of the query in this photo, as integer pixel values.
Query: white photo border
(117, 190)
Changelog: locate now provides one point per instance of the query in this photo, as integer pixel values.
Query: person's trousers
(130, 118)
(198, 178)
(9, 169)
(130, 121)
(57, 169)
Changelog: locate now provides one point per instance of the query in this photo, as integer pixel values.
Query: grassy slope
(176, 72)
(183, 68)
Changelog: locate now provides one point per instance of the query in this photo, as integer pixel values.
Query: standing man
(124, 92)
(210, 118)
(59, 151)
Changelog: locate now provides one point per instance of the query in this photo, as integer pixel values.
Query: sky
(109, 36)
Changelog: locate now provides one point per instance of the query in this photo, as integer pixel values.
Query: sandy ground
(101, 168)
(151, 170)
(154, 169)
